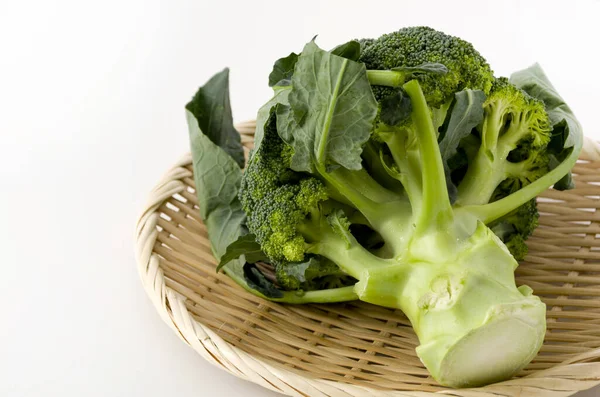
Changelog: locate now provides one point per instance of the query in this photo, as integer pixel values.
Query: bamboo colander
(357, 349)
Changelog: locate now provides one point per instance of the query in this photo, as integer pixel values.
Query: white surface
(91, 99)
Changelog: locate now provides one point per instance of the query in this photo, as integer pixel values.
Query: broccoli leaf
(331, 111)
(395, 108)
(566, 182)
(566, 128)
(211, 107)
(467, 113)
(216, 174)
(315, 272)
(349, 50)
(257, 281)
(424, 68)
(283, 69)
(302, 271)
(558, 152)
(340, 225)
(265, 112)
(218, 178)
(245, 245)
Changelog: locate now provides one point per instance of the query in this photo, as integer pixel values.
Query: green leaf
(264, 113)
(424, 68)
(283, 69)
(566, 129)
(340, 225)
(218, 179)
(256, 280)
(566, 182)
(303, 271)
(211, 107)
(245, 245)
(315, 272)
(331, 111)
(395, 108)
(349, 50)
(466, 113)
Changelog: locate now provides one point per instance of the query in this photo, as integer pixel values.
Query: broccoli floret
(512, 154)
(276, 199)
(514, 228)
(415, 46)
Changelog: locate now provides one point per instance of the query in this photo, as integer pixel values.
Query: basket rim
(563, 380)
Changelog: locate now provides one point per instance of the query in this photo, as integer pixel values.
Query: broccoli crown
(514, 113)
(518, 126)
(513, 137)
(415, 46)
(277, 199)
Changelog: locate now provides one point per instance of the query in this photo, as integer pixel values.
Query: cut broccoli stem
(490, 212)
(436, 209)
(388, 78)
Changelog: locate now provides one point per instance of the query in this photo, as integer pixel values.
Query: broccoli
(409, 49)
(513, 139)
(401, 172)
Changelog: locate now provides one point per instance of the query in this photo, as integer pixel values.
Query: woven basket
(357, 349)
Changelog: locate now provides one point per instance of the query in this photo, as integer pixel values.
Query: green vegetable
(401, 172)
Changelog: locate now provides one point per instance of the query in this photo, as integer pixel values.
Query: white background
(91, 115)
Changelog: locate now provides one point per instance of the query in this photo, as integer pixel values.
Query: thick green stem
(490, 166)
(346, 252)
(483, 176)
(333, 295)
(388, 78)
(363, 193)
(436, 210)
(490, 212)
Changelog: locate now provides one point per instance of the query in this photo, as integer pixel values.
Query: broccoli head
(513, 138)
(277, 199)
(414, 47)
